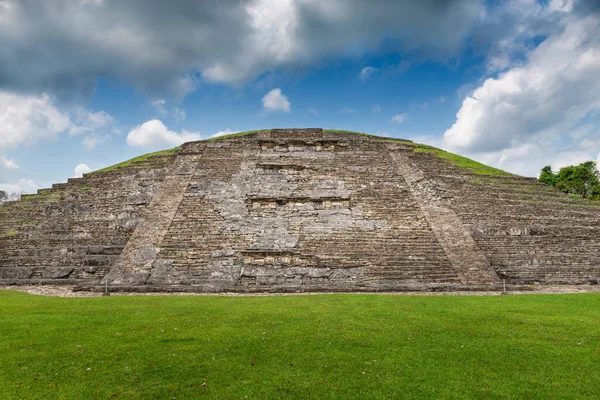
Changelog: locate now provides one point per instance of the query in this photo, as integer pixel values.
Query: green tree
(3, 196)
(547, 176)
(582, 180)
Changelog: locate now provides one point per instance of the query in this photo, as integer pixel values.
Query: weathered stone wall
(529, 232)
(299, 210)
(290, 211)
(74, 232)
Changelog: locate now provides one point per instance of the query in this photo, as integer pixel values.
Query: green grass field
(321, 346)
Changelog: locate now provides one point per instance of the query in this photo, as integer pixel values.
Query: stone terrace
(299, 210)
(74, 232)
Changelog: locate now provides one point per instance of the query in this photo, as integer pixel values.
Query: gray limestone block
(144, 255)
(139, 198)
(127, 220)
(16, 273)
(126, 278)
(56, 272)
(347, 274)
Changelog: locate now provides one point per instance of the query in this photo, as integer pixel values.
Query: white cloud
(561, 5)
(85, 121)
(367, 72)
(225, 132)
(276, 101)
(313, 112)
(285, 32)
(510, 28)
(93, 140)
(26, 120)
(80, 170)
(25, 186)
(90, 141)
(178, 114)
(163, 47)
(402, 67)
(8, 163)
(376, 109)
(346, 110)
(535, 106)
(159, 106)
(184, 85)
(582, 131)
(529, 158)
(154, 134)
(399, 118)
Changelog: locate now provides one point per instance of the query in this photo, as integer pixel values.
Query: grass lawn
(321, 346)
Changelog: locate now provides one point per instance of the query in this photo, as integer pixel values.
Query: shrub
(581, 180)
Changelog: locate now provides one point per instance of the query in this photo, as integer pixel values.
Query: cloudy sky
(88, 83)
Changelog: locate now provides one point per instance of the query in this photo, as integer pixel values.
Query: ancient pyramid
(288, 210)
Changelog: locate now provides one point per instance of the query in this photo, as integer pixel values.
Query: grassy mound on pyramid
(296, 210)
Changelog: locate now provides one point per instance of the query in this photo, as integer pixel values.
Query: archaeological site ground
(300, 210)
(325, 346)
(297, 211)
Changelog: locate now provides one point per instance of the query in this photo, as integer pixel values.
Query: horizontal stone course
(76, 231)
(298, 210)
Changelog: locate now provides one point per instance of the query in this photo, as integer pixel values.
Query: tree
(547, 176)
(582, 180)
(3, 196)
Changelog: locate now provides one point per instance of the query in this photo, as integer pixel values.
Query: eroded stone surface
(298, 210)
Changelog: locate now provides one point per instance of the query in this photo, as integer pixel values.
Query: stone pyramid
(293, 210)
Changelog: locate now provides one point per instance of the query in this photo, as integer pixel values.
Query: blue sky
(88, 83)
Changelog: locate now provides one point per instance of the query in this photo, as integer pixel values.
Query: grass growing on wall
(321, 346)
(234, 135)
(460, 161)
(9, 234)
(138, 159)
(463, 162)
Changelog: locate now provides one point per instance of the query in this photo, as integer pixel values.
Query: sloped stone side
(530, 233)
(134, 264)
(74, 232)
(470, 264)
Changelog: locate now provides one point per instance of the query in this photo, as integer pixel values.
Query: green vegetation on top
(463, 162)
(473, 166)
(233, 135)
(579, 181)
(139, 159)
(323, 346)
(144, 157)
(348, 132)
